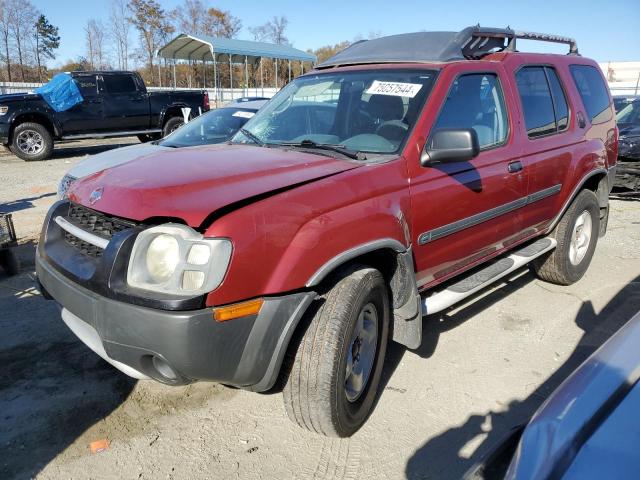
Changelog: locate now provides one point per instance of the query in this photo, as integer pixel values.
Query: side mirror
(450, 145)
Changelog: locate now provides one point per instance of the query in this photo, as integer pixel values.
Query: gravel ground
(482, 369)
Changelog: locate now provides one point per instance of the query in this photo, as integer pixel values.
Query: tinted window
(537, 103)
(593, 92)
(476, 101)
(559, 100)
(87, 85)
(119, 84)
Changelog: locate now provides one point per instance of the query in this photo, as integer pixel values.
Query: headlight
(177, 260)
(64, 185)
(3, 109)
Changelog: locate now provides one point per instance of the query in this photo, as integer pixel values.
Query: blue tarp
(61, 93)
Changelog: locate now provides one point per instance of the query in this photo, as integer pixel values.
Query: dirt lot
(481, 370)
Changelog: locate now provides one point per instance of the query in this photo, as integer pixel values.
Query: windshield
(361, 111)
(215, 126)
(630, 113)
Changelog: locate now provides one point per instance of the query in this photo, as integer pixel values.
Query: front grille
(85, 248)
(97, 223)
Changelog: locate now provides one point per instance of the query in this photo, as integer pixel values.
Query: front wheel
(577, 236)
(336, 370)
(31, 141)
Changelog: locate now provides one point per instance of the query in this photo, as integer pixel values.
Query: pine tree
(47, 40)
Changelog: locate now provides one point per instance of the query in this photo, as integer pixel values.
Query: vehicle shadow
(22, 203)
(435, 325)
(52, 387)
(440, 456)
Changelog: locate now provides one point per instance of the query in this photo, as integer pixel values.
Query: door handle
(515, 167)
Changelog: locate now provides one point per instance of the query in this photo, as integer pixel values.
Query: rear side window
(559, 99)
(476, 101)
(543, 101)
(117, 84)
(592, 91)
(87, 85)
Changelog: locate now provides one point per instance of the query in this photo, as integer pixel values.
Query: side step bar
(124, 133)
(495, 270)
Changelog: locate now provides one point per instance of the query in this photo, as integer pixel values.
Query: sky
(606, 30)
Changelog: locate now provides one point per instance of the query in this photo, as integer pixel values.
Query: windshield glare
(364, 111)
(630, 113)
(212, 127)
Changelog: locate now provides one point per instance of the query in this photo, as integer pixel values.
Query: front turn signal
(237, 310)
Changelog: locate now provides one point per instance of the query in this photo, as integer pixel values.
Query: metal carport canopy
(202, 47)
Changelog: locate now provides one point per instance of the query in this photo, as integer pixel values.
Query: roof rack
(481, 36)
(472, 43)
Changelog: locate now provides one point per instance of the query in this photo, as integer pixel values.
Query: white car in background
(215, 126)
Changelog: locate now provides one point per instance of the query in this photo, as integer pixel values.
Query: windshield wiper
(326, 146)
(252, 136)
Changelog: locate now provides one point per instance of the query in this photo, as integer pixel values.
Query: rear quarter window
(87, 85)
(593, 92)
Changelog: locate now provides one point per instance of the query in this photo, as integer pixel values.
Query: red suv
(396, 179)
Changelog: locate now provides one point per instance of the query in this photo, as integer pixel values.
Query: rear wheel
(577, 236)
(172, 125)
(336, 370)
(31, 142)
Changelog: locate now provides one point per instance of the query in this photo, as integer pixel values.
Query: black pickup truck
(114, 104)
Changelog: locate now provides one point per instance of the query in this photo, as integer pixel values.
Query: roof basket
(485, 40)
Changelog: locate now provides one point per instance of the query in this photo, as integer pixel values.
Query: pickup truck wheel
(577, 236)
(31, 142)
(9, 262)
(171, 125)
(336, 370)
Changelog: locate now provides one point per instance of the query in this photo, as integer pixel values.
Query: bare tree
(120, 28)
(5, 34)
(220, 23)
(151, 21)
(188, 17)
(95, 35)
(22, 16)
(272, 31)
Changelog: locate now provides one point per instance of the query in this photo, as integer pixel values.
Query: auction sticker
(243, 114)
(396, 89)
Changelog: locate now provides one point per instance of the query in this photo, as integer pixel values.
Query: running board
(125, 133)
(484, 277)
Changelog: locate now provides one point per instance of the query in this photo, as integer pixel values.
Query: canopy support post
(230, 77)
(246, 76)
(276, 60)
(204, 72)
(215, 78)
(174, 72)
(261, 78)
(289, 70)
(301, 67)
(159, 75)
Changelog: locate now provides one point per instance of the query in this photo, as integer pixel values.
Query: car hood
(191, 183)
(628, 130)
(112, 158)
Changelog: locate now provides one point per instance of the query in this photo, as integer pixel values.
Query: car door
(126, 106)
(550, 140)
(463, 212)
(85, 117)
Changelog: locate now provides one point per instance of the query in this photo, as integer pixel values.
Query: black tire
(148, 137)
(315, 394)
(172, 124)
(557, 266)
(9, 262)
(42, 145)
